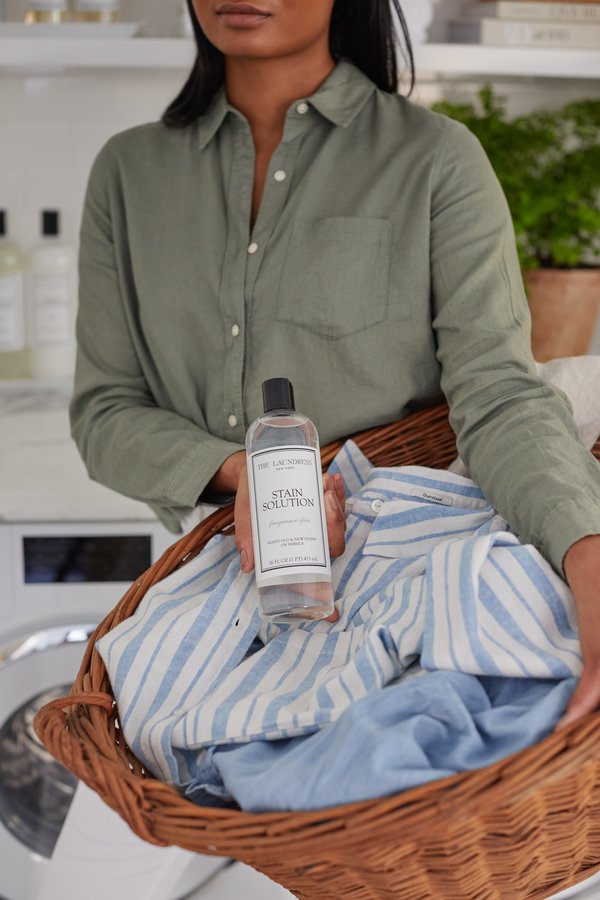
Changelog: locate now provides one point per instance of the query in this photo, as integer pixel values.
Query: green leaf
(548, 164)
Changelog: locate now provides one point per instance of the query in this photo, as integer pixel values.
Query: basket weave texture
(525, 827)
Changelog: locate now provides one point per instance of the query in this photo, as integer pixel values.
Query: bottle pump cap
(50, 222)
(278, 393)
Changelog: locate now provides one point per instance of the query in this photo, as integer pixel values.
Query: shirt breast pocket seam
(307, 311)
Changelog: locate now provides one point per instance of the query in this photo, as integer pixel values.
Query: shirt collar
(339, 100)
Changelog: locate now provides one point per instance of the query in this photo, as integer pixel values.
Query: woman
(292, 215)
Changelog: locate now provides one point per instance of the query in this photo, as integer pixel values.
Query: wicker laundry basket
(525, 827)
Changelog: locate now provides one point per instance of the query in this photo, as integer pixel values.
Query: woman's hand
(582, 571)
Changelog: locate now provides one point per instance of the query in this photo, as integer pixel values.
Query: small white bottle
(103, 11)
(14, 356)
(289, 528)
(48, 12)
(52, 305)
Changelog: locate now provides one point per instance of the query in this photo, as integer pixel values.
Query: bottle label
(52, 316)
(12, 329)
(46, 5)
(288, 519)
(97, 5)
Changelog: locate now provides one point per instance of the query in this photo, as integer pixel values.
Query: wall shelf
(531, 62)
(33, 55)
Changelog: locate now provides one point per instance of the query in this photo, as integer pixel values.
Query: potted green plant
(548, 164)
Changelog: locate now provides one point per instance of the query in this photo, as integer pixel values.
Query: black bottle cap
(50, 222)
(2, 223)
(278, 393)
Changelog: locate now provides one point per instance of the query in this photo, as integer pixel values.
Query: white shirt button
(232, 421)
(302, 108)
(376, 505)
(279, 175)
(235, 330)
(253, 247)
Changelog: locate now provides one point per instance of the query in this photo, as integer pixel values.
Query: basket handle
(104, 701)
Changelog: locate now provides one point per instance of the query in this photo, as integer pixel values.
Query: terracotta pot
(564, 306)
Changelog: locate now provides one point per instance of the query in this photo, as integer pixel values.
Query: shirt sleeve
(126, 440)
(514, 431)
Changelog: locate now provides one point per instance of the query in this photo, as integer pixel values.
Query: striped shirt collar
(339, 100)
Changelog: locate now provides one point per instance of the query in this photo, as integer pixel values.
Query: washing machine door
(35, 789)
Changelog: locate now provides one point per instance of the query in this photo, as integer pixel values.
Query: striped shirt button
(279, 175)
(253, 247)
(376, 505)
(232, 420)
(302, 108)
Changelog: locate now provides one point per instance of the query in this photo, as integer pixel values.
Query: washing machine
(68, 551)
(57, 580)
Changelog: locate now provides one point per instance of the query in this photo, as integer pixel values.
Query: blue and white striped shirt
(430, 572)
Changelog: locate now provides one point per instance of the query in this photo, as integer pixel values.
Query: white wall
(51, 128)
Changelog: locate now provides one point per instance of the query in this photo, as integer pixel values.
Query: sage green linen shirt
(381, 272)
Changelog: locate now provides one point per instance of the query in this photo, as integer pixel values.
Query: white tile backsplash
(51, 129)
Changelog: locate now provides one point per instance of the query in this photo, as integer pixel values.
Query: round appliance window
(35, 790)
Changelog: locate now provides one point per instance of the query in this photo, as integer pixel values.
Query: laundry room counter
(42, 476)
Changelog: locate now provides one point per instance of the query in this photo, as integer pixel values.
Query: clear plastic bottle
(289, 528)
(14, 356)
(49, 12)
(52, 303)
(103, 11)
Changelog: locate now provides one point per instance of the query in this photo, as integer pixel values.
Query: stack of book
(529, 23)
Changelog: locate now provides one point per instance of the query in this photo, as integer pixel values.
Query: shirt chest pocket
(335, 276)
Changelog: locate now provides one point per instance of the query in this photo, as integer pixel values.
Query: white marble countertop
(42, 477)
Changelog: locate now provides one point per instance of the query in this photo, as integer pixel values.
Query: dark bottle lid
(278, 393)
(50, 222)
(2, 223)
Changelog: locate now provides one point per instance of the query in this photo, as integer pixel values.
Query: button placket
(235, 273)
(272, 204)
(275, 193)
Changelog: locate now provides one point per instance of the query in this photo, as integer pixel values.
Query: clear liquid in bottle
(289, 528)
(46, 12)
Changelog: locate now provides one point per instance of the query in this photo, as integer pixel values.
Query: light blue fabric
(432, 726)
(430, 572)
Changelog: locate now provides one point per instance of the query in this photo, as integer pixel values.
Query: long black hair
(362, 31)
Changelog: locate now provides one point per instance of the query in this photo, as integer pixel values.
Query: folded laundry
(210, 696)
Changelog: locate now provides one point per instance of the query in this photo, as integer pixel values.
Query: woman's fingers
(243, 523)
(334, 512)
(586, 698)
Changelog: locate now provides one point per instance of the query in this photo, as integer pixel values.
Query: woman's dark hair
(362, 31)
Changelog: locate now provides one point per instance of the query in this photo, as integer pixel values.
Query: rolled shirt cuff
(569, 522)
(196, 470)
